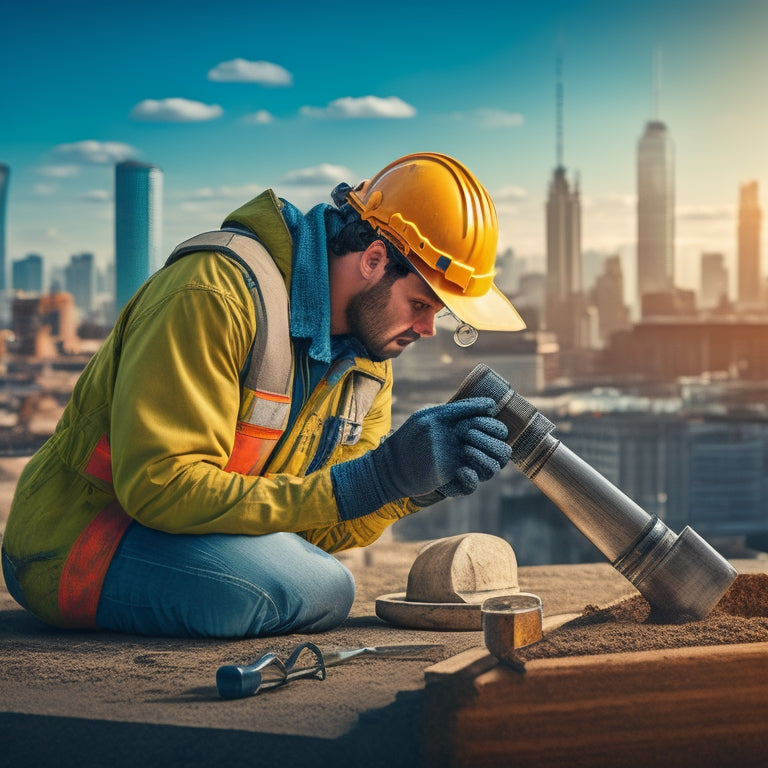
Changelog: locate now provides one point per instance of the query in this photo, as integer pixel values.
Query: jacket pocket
(330, 438)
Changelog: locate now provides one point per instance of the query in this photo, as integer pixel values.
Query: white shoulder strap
(271, 357)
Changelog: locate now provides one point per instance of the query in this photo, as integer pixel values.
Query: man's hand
(450, 448)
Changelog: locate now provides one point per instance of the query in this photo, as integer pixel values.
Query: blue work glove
(450, 447)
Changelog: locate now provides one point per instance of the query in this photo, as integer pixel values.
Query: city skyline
(301, 103)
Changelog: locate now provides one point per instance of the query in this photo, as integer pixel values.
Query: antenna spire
(559, 102)
(657, 85)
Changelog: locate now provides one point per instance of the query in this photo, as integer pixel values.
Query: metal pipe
(682, 577)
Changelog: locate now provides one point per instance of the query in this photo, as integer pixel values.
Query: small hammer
(511, 622)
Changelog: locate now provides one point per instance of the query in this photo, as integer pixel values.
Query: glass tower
(750, 286)
(79, 278)
(28, 274)
(138, 225)
(5, 173)
(655, 210)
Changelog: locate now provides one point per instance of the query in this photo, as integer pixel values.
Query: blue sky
(229, 98)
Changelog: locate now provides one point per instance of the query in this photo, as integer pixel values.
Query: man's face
(388, 316)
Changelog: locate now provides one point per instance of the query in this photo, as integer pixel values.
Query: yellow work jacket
(164, 391)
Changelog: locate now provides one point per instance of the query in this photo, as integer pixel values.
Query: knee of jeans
(327, 604)
(345, 591)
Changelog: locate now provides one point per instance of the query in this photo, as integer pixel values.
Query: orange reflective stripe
(100, 464)
(273, 396)
(251, 449)
(256, 431)
(86, 566)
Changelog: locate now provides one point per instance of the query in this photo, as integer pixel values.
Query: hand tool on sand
(269, 671)
(682, 577)
(511, 622)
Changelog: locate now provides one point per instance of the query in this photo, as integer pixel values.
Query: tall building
(655, 210)
(44, 326)
(714, 281)
(80, 281)
(750, 279)
(5, 173)
(563, 237)
(28, 274)
(613, 313)
(138, 226)
(564, 305)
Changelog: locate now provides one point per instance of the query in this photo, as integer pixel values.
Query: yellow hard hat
(439, 216)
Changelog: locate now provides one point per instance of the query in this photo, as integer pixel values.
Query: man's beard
(368, 322)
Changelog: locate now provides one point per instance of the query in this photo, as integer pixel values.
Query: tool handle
(236, 682)
(304, 672)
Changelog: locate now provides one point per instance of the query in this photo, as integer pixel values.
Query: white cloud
(244, 71)
(706, 212)
(224, 193)
(53, 235)
(624, 200)
(351, 108)
(491, 118)
(262, 117)
(96, 196)
(510, 194)
(305, 187)
(609, 205)
(93, 152)
(175, 110)
(207, 207)
(45, 190)
(58, 171)
(319, 175)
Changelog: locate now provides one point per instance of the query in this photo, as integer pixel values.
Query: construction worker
(229, 434)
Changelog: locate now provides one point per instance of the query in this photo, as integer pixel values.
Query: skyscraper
(138, 225)
(655, 210)
(5, 173)
(563, 237)
(80, 281)
(28, 274)
(609, 298)
(563, 211)
(750, 288)
(714, 281)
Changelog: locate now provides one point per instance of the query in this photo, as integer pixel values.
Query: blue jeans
(219, 585)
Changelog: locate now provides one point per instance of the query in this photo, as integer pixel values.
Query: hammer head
(687, 582)
(510, 623)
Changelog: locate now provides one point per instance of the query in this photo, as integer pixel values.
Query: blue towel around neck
(310, 288)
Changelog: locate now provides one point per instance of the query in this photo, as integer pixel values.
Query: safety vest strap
(100, 463)
(266, 396)
(86, 566)
(272, 347)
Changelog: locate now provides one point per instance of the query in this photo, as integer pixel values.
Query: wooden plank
(685, 706)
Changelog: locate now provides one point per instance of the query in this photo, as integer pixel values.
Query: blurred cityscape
(663, 392)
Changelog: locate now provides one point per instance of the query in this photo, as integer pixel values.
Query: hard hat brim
(491, 311)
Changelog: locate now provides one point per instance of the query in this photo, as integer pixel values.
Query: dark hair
(357, 235)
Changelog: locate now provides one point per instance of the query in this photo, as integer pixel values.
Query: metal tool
(682, 577)
(511, 622)
(269, 671)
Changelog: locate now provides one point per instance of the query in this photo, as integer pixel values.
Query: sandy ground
(96, 699)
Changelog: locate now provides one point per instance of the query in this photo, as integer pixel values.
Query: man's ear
(373, 260)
